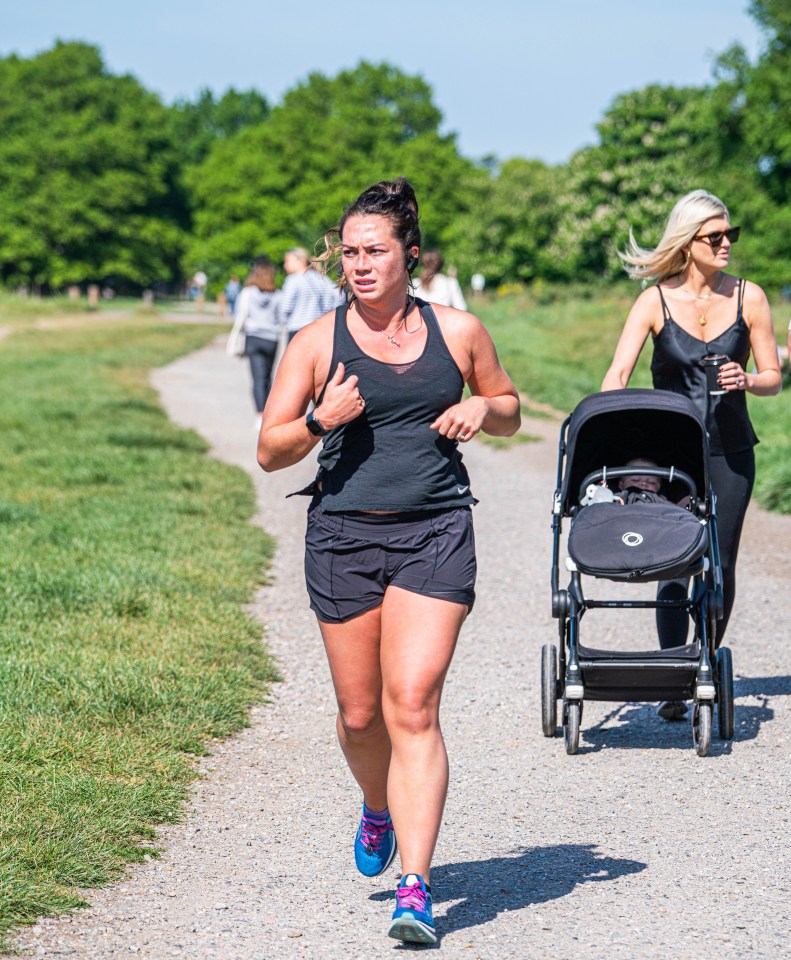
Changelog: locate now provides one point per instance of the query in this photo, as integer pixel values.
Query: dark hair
(432, 265)
(393, 199)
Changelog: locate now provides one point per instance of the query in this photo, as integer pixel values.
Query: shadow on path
(762, 687)
(486, 888)
(640, 728)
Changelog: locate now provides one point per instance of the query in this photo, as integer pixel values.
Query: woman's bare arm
(285, 439)
(767, 381)
(636, 331)
(494, 406)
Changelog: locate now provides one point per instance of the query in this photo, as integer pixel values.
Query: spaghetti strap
(665, 311)
(742, 283)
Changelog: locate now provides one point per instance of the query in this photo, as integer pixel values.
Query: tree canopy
(87, 170)
(287, 180)
(196, 126)
(100, 181)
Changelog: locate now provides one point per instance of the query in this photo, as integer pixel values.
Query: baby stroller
(636, 542)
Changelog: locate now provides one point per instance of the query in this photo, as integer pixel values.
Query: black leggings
(262, 358)
(732, 476)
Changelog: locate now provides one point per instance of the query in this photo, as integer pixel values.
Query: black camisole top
(387, 458)
(676, 366)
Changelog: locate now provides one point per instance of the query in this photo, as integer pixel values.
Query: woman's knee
(360, 720)
(410, 712)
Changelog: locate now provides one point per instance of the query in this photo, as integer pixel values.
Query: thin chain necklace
(702, 319)
(391, 336)
(410, 302)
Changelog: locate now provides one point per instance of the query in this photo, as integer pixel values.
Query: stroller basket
(652, 675)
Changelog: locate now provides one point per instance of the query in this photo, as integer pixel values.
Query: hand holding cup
(712, 365)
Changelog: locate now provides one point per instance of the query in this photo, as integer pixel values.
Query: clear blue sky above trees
(99, 180)
(511, 77)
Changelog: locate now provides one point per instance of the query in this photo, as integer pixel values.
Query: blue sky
(511, 77)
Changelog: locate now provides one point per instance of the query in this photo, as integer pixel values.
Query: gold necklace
(702, 319)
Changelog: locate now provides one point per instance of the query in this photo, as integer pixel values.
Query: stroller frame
(572, 673)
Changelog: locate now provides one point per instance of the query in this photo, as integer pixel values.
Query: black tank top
(388, 458)
(676, 366)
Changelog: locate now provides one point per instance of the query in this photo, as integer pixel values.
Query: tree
(288, 179)
(87, 169)
(767, 106)
(196, 126)
(655, 145)
(506, 230)
(766, 112)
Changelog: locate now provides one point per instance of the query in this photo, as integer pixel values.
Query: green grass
(18, 311)
(125, 556)
(771, 417)
(558, 352)
(505, 443)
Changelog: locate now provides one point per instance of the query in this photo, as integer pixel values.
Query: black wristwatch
(314, 425)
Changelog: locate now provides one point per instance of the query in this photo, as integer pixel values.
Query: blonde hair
(667, 259)
(301, 254)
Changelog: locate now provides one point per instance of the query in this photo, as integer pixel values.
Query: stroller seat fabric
(639, 541)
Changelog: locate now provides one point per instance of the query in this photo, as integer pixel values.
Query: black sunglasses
(716, 238)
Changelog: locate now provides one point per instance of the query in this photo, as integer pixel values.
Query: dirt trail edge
(635, 847)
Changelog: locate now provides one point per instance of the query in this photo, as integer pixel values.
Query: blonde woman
(695, 308)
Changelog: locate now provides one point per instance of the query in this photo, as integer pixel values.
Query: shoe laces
(374, 832)
(412, 897)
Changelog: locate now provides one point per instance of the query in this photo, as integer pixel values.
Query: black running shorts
(350, 559)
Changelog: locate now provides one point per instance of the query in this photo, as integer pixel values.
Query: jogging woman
(390, 559)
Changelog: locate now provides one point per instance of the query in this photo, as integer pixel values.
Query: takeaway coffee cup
(712, 364)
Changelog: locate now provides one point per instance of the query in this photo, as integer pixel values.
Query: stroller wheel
(725, 694)
(549, 689)
(572, 714)
(701, 726)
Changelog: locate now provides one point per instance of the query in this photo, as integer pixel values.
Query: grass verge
(558, 353)
(505, 443)
(126, 554)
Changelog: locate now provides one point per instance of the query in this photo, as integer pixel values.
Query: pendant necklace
(702, 319)
(410, 301)
(391, 336)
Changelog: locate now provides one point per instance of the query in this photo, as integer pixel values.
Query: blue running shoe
(412, 920)
(375, 845)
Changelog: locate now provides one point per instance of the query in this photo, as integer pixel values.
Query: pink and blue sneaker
(413, 921)
(375, 844)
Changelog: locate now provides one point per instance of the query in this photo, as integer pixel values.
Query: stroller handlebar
(616, 473)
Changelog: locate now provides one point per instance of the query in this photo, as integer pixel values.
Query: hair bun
(404, 190)
(386, 197)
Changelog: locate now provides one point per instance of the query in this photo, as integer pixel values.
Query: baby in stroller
(636, 487)
(640, 481)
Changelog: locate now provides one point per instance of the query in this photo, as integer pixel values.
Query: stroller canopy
(609, 429)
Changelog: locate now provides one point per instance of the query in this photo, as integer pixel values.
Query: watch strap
(314, 425)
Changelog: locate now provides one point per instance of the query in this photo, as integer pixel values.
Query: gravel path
(634, 848)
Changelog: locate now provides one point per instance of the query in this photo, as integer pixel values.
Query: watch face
(314, 426)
